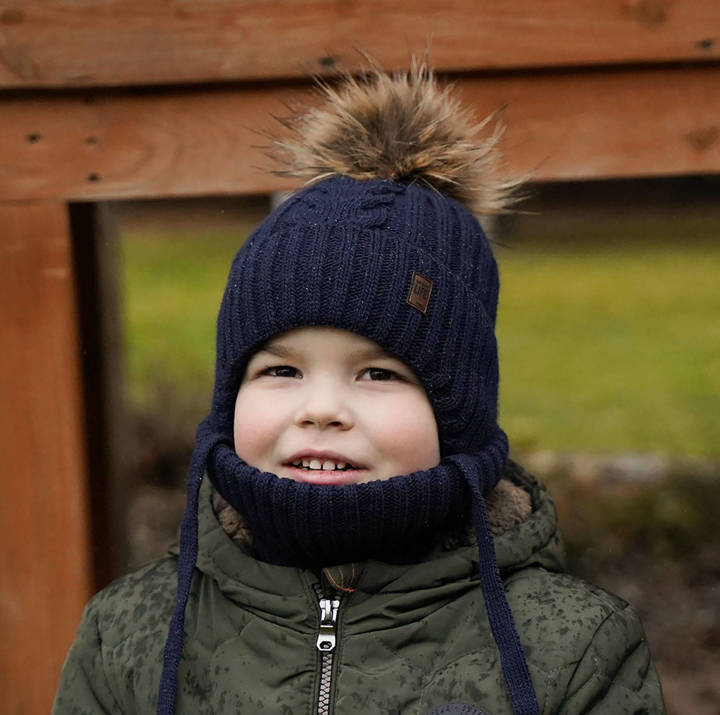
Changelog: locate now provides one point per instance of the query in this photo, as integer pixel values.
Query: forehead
(321, 339)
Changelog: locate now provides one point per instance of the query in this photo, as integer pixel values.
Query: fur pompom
(402, 127)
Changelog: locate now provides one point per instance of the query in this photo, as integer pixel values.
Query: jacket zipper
(325, 643)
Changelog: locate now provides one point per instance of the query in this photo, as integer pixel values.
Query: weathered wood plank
(55, 43)
(45, 574)
(205, 141)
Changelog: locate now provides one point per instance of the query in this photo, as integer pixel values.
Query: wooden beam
(78, 43)
(45, 574)
(562, 125)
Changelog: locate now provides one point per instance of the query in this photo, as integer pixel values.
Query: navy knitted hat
(382, 243)
(399, 264)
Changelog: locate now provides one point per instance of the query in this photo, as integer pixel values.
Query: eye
(380, 374)
(281, 371)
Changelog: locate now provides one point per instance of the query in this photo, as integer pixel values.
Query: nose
(324, 405)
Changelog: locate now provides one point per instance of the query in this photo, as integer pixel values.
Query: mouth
(324, 469)
(325, 465)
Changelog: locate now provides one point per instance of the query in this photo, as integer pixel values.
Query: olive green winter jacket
(408, 638)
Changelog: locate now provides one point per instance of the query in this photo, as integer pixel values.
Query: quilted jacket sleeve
(615, 675)
(84, 688)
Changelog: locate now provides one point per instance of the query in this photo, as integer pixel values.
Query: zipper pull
(328, 621)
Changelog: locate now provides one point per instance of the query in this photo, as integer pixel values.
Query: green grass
(605, 347)
(614, 348)
(172, 286)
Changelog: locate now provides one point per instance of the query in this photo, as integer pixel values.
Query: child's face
(337, 403)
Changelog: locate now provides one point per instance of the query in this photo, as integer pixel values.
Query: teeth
(326, 464)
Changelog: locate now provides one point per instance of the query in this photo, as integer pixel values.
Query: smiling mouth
(325, 465)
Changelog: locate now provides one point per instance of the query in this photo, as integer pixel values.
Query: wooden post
(45, 572)
(95, 263)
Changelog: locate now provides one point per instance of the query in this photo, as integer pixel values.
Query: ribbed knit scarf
(311, 526)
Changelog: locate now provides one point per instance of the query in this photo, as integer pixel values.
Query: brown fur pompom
(402, 127)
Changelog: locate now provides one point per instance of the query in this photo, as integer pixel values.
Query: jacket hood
(536, 540)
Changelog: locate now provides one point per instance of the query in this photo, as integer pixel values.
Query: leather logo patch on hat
(419, 294)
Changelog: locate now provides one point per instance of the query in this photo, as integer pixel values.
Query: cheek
(408, 435)
(255, 430)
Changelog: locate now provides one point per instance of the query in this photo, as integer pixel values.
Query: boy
(363, 544)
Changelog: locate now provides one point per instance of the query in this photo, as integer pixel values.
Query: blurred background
(132, 169)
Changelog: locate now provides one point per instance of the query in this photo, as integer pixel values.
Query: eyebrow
(371, 354)
(276, 349)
